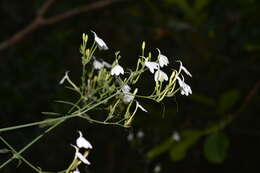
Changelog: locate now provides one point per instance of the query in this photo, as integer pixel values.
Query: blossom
(127, 97)
(140, 134)
(98, 65)
(151, 65)
(100, 43)
(163, 60)
(65, 77)
(184, 69)
(117, 70)
(130, 136)
(176, 136)
(160, 75)
(80, 156)
(185, 88)
(126, 88)
(140, 106)
(76, 170)
(157, 168)
(82, 142)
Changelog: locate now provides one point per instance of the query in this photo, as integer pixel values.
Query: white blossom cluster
(106, 78)
(154, 67)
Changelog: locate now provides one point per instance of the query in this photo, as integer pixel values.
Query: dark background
(217, 40)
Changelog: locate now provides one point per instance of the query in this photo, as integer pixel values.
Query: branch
(40, 21)
(248, 98)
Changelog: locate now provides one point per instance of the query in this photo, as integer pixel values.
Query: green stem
(36, 123)
(31, 143)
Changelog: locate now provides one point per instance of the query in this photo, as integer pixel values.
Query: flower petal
(98, 65)
(76, 170)
(100, 43)
(163, 60)
(185, 88)
(126, 88)
(127, 98)
(183, 68)
(117, 70)
(65, 77)
(151, 66)
(160, 75)
(141, 107)
(82, 158)
(82, 142)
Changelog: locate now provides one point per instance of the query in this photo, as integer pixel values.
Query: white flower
(76, 170)
(176, 136)
(160, 75)
(82, 142)
(130, 136)
(127, 98)
(100, 43)
(80, 156)
(117, 70)
(163, 60)
(98, 65)
(140, 106)
(184, 69)
(140, 134)
(126, 88)
(157, 168)
(151, 65)
(185, 88)
(65, 77)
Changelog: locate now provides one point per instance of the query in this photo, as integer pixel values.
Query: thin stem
(36, 123)
(32, 142)
(101, 122)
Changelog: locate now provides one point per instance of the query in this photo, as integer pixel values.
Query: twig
(41, 21)
(248, 98)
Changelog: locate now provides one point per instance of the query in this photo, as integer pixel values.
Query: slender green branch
(32, 142)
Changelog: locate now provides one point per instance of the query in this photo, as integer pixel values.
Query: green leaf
(188, 138)
(161, 148)
(227, 100)
(216, 147)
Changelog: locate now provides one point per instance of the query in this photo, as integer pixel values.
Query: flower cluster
(81, 143)
(102, 80)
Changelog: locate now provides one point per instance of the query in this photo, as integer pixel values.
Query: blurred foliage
(215, 147)
(217, 40)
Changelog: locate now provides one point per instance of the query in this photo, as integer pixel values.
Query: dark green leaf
(228, 99)
(188, 138)
(161, 148)
(215, 147)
